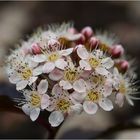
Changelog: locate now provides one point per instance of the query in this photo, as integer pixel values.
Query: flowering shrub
(63, 71)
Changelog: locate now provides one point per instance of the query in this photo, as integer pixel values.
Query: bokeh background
(19, 19)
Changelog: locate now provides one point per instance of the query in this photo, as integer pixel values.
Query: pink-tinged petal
(86, 74)
(39, 58)
(48, 67)
(42, 87)
(37, 71)
(66, 52)
(106, 104)
(79, 85)
(107, 63)
(21, 85)
(45, 101)
(72, 37)
(77, 97)
(77, 108)
(57, 90)
(65, 84)
(56, 118)
(108, 87)
(90, 107)
(32, 80)
(60, 63)
(56, 75)
(34, 114)
(101, 70)
(119, 99)
(14, 78)
(84, 65)
(82, 52)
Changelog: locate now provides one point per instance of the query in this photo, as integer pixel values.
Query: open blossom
(61, 105)
(22, 70)
(124, 88)
(94, 60)
(65, 72)
(36, 100)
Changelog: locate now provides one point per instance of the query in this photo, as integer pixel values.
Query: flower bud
(117, 51)
(124, 65)
(93, 42)
(81, 40)
(87, 32)
(36, 48)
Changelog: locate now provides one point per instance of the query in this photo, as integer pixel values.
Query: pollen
(70, 75)
(94, 62)
(93, 96)
(35, 99)
(98, 79)
(53, 57)
(26, 73)
(122, 88)
(63, 105)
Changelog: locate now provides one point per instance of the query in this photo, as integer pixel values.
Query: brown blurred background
(20, 19)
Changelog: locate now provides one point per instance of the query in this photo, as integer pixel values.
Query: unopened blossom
(36, 100)
(22, 70)
(94, 60)
(60, 106)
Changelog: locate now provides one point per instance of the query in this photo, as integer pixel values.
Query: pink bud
(72, 30)
(87, 32)
(81, 40)
(93, 42)
(124, 65)
(117, 50)
(36, 48)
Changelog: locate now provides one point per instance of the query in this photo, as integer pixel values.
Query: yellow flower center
(94, 62)
(122, 88)
(63, 104)
(93, 96)
(53, 57)
(26, 73)
(98, 79)
(103, 47)
(35, 99)
(70, 75)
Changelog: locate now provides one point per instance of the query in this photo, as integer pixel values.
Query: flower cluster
(63, 71)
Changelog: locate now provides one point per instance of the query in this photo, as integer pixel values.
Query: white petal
(34, 114)
(60, 63)
(106, 104)
(65, 84)
(72, 37)
(79, 85)
(90, 107)
(102, 71)
(107, 63)
(48, 67)
(77, 108)
(14, 78)
(56, 89)
(32, 64)
(84, 65)
(82, 52)
(37, 71)
(56, 118)
(32, 80)
(77, 97)
(42, 87)
(26, 109)
(45, 101)
(39, 58)
(108, 87)
(56, 75)
(119, 99)
(66, 52)
(21, 85)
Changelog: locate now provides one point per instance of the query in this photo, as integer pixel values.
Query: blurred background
(20, 19)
